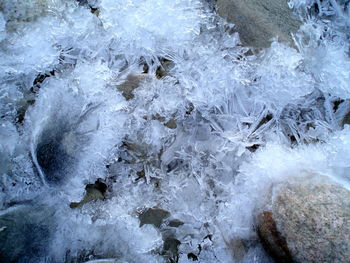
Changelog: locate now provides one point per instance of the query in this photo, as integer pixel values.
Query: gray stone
(153, 216)
(309, 222)
(257, 21)
(175, 223)
(171, 124)
(171, 247)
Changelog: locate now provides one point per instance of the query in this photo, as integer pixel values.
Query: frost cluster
(158, 99)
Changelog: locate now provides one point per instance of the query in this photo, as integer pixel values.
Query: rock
(165, 68)
(94, 192)
(171, 247)
(309, 222)
(272, 240)
(153, 216)
(157, 117)
(238, 249)
(171, 124)
(131, 83)
(134, 151)
(140, 174)
(175, 223)
(159, 218)
(257, 21)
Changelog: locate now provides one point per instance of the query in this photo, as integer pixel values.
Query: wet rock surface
(153, 216)
(309, 222)
(274, 243)
(196, 108)
(258, 21)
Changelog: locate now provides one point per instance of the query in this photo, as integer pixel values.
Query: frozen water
(159, 100)
(2, 27)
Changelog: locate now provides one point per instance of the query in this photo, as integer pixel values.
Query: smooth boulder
(258, 21)
(309, 222)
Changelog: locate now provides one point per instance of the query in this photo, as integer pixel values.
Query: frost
(18, 10)
(148, 26)
(159, 100)
(2, 27)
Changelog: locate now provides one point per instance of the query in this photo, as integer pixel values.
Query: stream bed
(144, 131)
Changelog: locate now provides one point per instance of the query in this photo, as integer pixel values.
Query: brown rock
(309, 222)
(272, 240)
(131, 83)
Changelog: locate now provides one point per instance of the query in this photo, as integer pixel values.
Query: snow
(242, 122)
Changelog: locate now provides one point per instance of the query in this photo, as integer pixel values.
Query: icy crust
(18, 10)
(32, 51)
(204, 141)
(149, 27)
(116, 235)
(337, 10)
(39, 47)
(2, 27)
(95, 111)
(324, 42)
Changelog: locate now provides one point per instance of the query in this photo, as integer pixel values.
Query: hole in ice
(61, 141)
(51, 155)
(192, 256)
(336, 104)
(175, 165)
